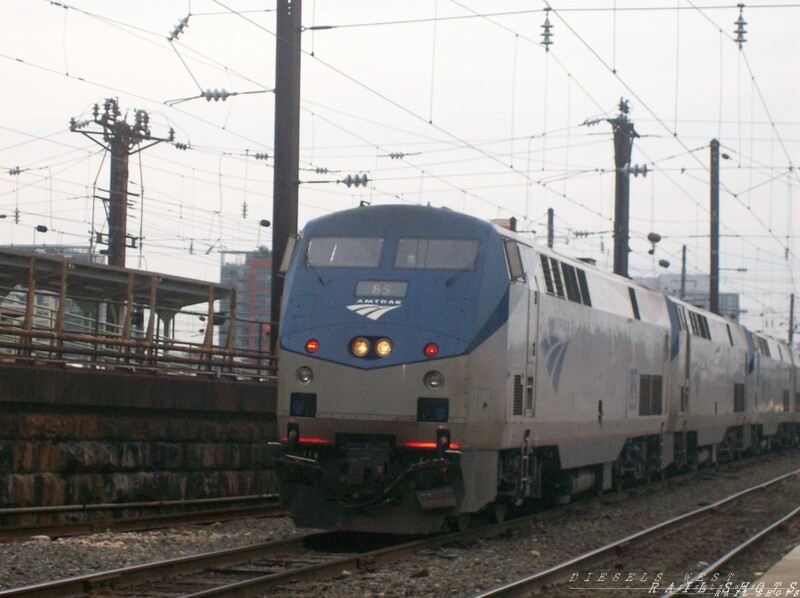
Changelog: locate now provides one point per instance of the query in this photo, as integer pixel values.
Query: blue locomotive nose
(374, 295)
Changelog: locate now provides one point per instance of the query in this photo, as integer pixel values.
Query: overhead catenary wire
(425, 163)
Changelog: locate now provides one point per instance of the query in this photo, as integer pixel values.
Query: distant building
(696, 292)
(250, 273)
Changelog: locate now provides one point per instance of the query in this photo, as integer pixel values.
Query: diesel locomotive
(434, 365)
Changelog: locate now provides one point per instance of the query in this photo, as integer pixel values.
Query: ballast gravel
(453, 570)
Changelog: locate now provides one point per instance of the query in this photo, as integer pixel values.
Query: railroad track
(75, 520)
(672, 558)
(246, 571)
(257, 569)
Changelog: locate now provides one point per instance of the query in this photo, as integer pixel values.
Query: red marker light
(308, 440)
(431, 350)
(312, 346)
(429, 445)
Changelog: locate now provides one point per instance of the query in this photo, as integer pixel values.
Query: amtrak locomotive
(433, 365)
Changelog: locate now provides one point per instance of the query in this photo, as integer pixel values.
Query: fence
(49, 328)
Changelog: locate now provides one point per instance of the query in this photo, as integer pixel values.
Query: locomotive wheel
(618, 483)
(457, 523)
(497, 512)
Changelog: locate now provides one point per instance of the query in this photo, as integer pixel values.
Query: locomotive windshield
(344, 252)
(436, 254)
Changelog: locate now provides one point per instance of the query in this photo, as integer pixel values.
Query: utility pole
(287, 145)
(714, 209)
(683, 272)
(121, 140)
(624, 135)
(791, 320)
(550, 219)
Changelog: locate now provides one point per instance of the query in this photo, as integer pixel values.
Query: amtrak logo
(554, 350)
(373, 311)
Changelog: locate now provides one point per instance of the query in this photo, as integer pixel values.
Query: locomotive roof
(447, 222)
(426, 219)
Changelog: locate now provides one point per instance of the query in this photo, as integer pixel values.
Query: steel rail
(260, 583)
(128, 576)
(131, 576)
(62, 529)
(561, 571)
(685, 587)
(136, 505)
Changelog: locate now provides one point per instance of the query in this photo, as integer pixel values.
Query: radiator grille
(518, 395)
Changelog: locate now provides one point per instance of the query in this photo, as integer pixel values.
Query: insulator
(321, 170)
(181, 146)
(547, 35)
(178, 29)
(740, 30)
(358, 180)
(635, 169)
(216, 95)
(14, 171)
(397, 155)
(261, 156)
(142, 119)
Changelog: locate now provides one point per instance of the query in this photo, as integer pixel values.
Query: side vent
(518, 394)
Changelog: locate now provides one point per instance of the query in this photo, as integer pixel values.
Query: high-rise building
(250, 273)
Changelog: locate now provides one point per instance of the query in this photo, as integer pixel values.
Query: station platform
(784, 573)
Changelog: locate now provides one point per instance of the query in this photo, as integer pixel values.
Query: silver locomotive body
(433, 366)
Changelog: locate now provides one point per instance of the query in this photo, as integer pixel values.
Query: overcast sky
(489, 122)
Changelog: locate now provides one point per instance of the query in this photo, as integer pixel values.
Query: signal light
(431, 350)
(312, 346)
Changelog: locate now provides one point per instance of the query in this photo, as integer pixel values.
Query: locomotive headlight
(304, 375)
(359, 347)
(433, 380)
(383, 347)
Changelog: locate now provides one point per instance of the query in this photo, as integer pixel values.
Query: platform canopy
(98, 282)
